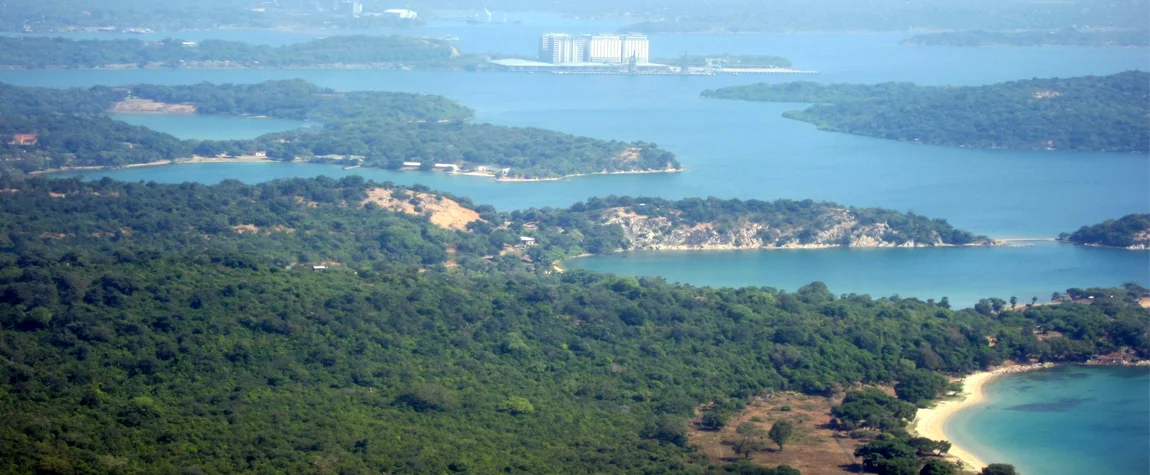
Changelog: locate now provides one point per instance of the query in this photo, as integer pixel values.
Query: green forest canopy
(1091, 113)
(46, 52)
(381, 129)
(1127, 231)
(175, 15)
(140, 332)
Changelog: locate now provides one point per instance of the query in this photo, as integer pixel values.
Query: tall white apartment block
(558, 48)
(604, 48)
(637, 47)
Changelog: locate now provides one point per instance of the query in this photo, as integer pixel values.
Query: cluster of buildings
(355, 8)
(563, 48)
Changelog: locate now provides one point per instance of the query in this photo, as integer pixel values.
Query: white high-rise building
(637, 47)
(559, 48)
(603, 48)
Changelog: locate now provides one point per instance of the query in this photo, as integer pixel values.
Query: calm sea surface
(1063, 421)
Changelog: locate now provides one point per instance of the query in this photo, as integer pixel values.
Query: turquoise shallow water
(1068, 420)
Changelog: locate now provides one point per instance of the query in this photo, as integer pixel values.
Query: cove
(1068, 420)
(964, 275)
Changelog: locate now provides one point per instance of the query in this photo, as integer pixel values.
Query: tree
(944, 303)
(919, 386)
(938, 467)
(518, 405)
(747, 446)
(713, 419)
(1033, 300)
(1013, 302)
(999, 469)
(1056, 296)
(781, 433)
(667, 428)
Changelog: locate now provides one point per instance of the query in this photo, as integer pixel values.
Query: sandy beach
(929, 422)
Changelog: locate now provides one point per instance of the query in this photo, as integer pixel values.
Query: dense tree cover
(337, 51)
(871, 413)
(1063, 37)
(140, 332)
(1128, 231)
(1100, 113)
(82, 140)
(382, 129)
(172, 15)
(734, 60)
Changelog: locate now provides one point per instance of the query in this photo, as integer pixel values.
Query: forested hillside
(1095, 113)
(166, 328)
(1139, 38)
(332, 52)
(68, 128)
(175, 15)
(1130, 231)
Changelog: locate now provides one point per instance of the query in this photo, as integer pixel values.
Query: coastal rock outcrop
(834, 227)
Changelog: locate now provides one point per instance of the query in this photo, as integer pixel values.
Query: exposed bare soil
(813, 450)
(442, 212)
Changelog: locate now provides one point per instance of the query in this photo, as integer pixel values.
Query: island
(336, 52)
(1092, 113)
(1107, 38)
(617, 224)
(1128, 232)
(323, 325)
(44, 129)
(145, 18)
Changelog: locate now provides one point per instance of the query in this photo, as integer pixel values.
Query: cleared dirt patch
(441, 211)
(815, 449)
(144, 106)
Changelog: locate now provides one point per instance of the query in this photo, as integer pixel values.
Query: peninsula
(232, 325)
(52, 129)
(1092, 113)
(336, 52)
(1128, 232)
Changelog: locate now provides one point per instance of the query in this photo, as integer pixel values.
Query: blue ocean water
(207, 127)
(1069, 420)
(964, 275)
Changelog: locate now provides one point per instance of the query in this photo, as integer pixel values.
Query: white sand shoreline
(930, 422)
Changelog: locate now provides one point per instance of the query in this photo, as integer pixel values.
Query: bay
(208, 127)
(1068, 420)
(735, 149)
(964, 275)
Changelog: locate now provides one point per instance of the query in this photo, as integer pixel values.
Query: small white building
(317, 268)
(525, 241)
(402, 13)
(412, 164)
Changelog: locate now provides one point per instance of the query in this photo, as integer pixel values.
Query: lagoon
(1068, 420)
(209, 127)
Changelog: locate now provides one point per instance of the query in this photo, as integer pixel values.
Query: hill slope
(1105, 113)
(165, 328)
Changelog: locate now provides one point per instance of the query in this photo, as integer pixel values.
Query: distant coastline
(264, 159)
